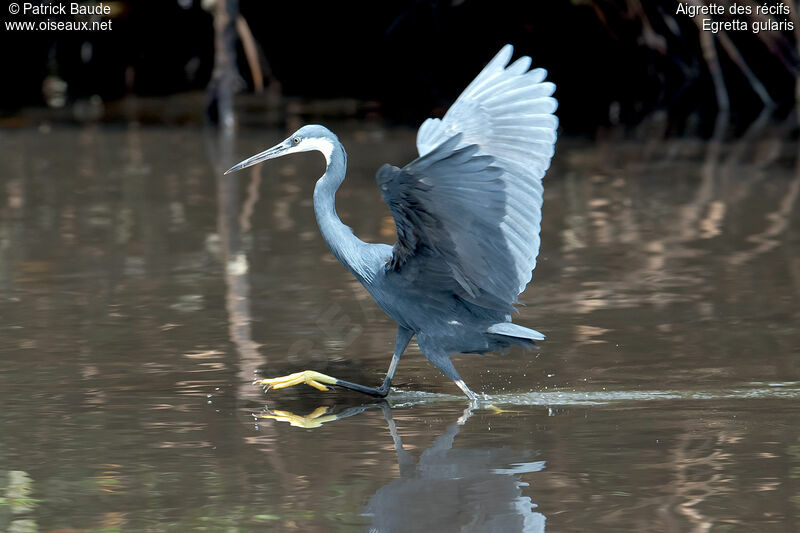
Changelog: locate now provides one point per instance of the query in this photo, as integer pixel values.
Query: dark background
(614, 62)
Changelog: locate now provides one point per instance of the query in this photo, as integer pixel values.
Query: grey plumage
(467, 211)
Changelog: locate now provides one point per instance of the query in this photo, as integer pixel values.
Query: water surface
(140, 294)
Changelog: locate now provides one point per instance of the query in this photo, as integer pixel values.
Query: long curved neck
(344, 245)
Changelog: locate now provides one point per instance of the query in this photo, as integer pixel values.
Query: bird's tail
(508, 329)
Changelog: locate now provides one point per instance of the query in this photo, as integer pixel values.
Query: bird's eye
(296, 140)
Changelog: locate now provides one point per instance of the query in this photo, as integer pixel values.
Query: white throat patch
(318, 143)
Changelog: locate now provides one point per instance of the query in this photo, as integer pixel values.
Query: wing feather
(468, 210)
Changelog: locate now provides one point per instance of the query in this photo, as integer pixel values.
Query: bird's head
(307, 138)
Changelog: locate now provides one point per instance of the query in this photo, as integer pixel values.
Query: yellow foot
(496, 410)
(311, 420)
(309, 377)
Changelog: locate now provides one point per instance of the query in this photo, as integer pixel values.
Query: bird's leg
(473, 400)
(441, 359)
(405, 461)
(319, 380)
(467, 414)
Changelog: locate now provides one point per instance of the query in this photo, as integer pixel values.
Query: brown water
(139, 294)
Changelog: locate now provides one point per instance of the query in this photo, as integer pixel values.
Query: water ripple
(762, 391)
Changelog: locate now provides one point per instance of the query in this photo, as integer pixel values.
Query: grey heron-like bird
(467, 212)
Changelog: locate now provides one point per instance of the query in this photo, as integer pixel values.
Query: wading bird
(467, 212)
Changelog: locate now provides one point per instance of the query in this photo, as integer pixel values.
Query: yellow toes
(283, 379)
(496, 410)
(318, 412)
(311, 420)
(286, 383)
(309, 377)
(317, 385)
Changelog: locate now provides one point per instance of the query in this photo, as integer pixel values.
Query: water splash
(789, 390)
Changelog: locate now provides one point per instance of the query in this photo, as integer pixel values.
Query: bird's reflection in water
(445, 489)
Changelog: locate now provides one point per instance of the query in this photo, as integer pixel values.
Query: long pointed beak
(276, 151)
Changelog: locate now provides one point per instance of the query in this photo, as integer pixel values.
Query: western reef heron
(467, 212)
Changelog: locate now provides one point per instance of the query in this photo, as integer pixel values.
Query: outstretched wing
(468, 210)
